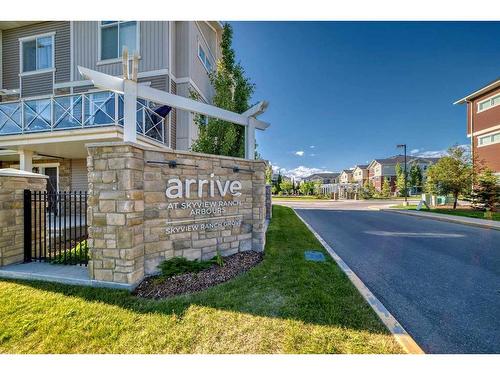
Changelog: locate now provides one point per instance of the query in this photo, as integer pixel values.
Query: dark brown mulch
(155, 287)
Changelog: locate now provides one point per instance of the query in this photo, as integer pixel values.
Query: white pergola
(131, 90)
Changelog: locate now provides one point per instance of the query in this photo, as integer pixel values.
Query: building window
(204, 58)
(114, 35)
(488, 103)
(489, 139)
(37, 53)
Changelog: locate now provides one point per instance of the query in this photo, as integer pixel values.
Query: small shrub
(217, 259)
(75, 255)
(179, 265)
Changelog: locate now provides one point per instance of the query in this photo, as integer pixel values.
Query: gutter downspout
(471, 116)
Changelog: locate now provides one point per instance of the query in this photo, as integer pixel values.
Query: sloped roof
(323, 175)
(490, 86)
(361, 166)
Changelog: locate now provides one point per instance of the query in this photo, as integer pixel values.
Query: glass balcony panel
(37, 115)
(67, 112)
(10, 118)
(99, 109)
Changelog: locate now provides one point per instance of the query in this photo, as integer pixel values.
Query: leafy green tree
(400, 180)
(232, 92)
(306, 187)
(317, 187)
(269, 174)
(416, 176)
(452, 174)
(368, 191)
(386, 188)
(487, 189)
(278, 182)
(286, 186)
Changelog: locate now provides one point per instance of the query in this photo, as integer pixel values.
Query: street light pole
(406, 185)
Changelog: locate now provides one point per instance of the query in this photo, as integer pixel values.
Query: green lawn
(284, 305)
(448, 211)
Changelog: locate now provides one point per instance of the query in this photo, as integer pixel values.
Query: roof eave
(477, 93)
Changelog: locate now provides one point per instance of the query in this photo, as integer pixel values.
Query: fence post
(27, 225)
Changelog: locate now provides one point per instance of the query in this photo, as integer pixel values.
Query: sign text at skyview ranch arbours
(177, 189)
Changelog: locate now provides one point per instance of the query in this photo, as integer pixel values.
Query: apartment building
(48, 112)
(483, 124)
(325, 178)
(360, 174)
(346, 176)
(380, 169)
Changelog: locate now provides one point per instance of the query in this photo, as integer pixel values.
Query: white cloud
(434, 153)
(312, 154)
(312, 146)
(415, 151)
(298, 172)
(299, 153)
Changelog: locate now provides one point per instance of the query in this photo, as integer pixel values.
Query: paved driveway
(440, 280)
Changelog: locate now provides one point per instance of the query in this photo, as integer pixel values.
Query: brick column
(13, 182)
(116, 213)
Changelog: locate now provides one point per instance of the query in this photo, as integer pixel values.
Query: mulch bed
(154, 287)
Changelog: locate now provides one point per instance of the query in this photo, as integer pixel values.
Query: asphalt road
(440, 280)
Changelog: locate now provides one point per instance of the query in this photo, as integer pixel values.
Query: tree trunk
(455, 196)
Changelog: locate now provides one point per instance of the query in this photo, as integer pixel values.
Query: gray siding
(79, 179)
(10, 52)
(198, 73)
(182, 49)
(37, 84)
(153, 47)
(157, 82)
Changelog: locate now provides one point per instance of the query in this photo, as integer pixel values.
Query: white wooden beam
(130, 111)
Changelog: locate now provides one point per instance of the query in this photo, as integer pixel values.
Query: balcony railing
(79, 111)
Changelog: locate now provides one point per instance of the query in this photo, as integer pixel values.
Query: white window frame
(487, 136)
(119, 58)
(200, 46)
(30, 38)
(487, 100)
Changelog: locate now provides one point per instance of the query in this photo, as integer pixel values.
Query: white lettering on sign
(177, 189)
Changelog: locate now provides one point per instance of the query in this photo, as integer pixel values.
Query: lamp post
(406, 185)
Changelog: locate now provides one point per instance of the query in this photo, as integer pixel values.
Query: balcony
(80, 111)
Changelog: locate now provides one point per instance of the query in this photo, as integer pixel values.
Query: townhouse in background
(483, 124)
(380, 169)
(48, 112)
(346, 176)
(325, 178)
(360, 174)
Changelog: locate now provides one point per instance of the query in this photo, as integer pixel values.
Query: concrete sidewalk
(489, 224)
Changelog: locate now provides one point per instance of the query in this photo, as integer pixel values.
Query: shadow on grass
(284, 286)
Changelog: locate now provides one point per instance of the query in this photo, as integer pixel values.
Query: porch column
(129, 111)
(26, 160)
(250, 139)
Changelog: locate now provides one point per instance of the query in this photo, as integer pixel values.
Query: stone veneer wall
(128, 209)
(12, 185)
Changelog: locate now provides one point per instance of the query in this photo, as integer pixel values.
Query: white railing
(73, 111)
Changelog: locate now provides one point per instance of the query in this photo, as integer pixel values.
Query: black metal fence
(55, 227)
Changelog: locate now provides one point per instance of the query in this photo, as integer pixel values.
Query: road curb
(447, 218)
(397, 330)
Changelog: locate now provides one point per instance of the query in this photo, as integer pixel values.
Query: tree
(278, 182)
(269, 174)
(416, 176)
(487, 189)
(306, 187)
(386, 188)
(232, 92)
(368, 190)
(400, 180)
(286, 186)
(317, 187)
(452, 174)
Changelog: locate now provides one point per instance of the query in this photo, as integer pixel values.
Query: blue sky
(343, 93)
